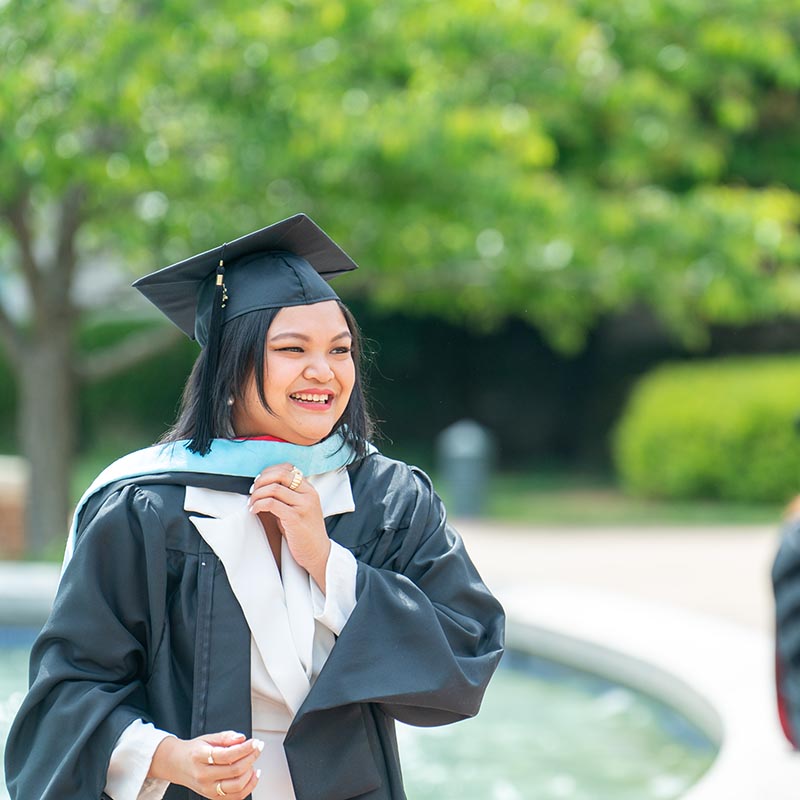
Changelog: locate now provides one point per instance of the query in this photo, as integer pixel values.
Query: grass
(546, 498)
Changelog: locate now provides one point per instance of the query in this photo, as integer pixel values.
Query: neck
(262, 438)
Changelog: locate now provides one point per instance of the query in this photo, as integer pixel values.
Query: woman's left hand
(299, 515)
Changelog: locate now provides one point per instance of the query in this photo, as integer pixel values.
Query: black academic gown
(145, 626)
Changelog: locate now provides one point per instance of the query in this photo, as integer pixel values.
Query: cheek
(278, 374)
(347, 377)
(251, 397)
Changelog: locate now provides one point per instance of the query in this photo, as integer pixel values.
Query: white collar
(333, 488)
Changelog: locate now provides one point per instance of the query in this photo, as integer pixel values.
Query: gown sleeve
(426, 634)
(90, 662)
(333, 607)
(786, 585)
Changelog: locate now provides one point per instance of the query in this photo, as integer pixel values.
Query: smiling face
(308, 376)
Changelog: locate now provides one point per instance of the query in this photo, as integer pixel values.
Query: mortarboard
(285, 264)
(288, 263)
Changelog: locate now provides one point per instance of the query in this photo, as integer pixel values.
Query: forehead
(324, 318)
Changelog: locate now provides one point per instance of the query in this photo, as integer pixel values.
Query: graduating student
(246, 608)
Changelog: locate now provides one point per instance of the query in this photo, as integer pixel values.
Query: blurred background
(549, 202)
(576, 223)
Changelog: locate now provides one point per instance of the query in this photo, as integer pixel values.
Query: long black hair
(242, 347)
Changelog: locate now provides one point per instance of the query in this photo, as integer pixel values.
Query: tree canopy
(553, 160)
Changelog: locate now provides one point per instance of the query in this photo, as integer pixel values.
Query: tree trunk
(46, 424)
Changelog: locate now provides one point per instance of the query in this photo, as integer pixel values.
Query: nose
(318, 369)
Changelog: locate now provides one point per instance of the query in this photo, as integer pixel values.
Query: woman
(208, 580)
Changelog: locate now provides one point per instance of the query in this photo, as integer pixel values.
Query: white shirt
(288, 646)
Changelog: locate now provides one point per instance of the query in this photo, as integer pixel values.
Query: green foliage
(724, 429)
(555, 160)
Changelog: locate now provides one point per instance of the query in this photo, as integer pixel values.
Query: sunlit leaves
(555, 161)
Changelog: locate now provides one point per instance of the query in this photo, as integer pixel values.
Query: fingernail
(260, 746)
(253, 486)
(258, 774)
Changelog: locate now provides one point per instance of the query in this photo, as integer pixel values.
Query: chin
(318, 436)
(309, 437)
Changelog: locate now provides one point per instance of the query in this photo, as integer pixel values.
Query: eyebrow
(305, 338)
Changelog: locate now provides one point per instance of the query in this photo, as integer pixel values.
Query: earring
(230, 400)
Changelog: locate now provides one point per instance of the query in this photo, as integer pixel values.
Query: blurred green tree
(554, 160)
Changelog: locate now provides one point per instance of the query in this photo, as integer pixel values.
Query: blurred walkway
(723, 571)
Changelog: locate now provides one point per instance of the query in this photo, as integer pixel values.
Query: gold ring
(297, 478)
(220, 792)
(211, 756)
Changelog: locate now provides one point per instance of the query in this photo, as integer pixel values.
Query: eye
(342, 350)
(292, 349)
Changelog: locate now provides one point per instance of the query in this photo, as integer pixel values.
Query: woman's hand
(186, 762)
(299, 515)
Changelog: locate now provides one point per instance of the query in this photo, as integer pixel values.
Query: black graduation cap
(285, 264)
(288, 263)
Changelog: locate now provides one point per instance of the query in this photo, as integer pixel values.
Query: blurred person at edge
(786, 586)
(208, 579)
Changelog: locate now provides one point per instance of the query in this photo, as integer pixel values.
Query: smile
(312, 400)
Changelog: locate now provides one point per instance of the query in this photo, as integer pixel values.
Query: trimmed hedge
(716, 429)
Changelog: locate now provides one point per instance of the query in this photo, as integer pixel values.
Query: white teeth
(311, 398)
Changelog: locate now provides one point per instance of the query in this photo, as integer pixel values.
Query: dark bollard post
(464, 453)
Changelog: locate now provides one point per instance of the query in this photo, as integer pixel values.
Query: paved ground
(723, 571)
(685, 608)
